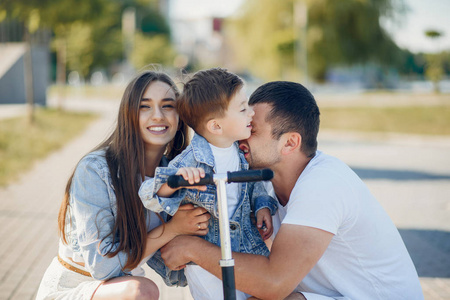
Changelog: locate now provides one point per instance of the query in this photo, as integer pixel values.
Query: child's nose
(251, 112)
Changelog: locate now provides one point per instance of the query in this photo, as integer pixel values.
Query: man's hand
(176, 253)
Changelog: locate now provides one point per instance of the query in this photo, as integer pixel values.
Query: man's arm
(296, 249)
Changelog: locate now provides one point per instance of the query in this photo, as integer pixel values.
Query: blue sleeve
(91, 207)
(260, 199)
(149, 188)
(169, 276)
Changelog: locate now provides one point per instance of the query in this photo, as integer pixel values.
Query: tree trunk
(61, 72)
(28, 74)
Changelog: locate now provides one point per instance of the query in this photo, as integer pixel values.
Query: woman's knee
(142, 288)
(127, 288)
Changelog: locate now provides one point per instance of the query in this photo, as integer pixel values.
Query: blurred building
(197, 29)
(12, 68)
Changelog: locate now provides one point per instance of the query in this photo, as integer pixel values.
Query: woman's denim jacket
(92, 203)
(244, 234)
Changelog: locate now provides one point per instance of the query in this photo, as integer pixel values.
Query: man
(332, 240)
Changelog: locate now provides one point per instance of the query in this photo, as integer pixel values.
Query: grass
(22, 144)
(426, 120)
(109, 91)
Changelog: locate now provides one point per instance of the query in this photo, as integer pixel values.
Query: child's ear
(292, 141)
(214, 127)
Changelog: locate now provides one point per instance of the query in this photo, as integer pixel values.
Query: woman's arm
(188, 220)
(93, 219)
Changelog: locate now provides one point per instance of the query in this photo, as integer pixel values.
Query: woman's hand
(189, 220)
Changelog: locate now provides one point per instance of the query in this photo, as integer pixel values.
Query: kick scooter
(227, 261)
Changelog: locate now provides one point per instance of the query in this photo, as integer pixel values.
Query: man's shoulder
(323, 163)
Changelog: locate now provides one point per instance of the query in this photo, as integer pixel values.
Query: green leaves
(269, 40)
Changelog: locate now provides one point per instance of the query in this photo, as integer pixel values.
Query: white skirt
(61, 283)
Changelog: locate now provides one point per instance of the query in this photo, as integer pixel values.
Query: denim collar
(202, 151)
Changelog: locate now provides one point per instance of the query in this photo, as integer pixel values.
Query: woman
(106, 234)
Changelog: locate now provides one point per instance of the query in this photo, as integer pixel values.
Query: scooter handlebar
(175, 181)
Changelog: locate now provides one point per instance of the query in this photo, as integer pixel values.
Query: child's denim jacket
(92, 217)
(244, 234)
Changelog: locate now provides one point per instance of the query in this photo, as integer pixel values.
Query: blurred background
(379, 69)
(398, 45)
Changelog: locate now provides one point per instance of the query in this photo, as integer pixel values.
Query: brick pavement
(28, 215)
(28, 211)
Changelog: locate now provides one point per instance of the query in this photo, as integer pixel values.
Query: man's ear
(214, 127)
(292, 142)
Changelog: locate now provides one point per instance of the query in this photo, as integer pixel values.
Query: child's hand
(192, 175)
(264, 223)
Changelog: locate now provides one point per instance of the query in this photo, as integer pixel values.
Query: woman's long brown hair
(125, 156)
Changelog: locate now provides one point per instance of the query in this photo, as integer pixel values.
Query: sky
(423, 15)
(408, 31)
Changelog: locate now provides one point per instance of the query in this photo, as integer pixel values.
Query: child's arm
(264, 207)
(190, 174)
(170, 199)
(260, 199)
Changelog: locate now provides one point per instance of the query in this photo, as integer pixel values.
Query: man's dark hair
(294, 109)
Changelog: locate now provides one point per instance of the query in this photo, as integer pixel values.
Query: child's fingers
(190, 174)
(187, 206)
(268, 222)
(259, 221)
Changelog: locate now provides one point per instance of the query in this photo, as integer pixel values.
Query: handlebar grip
(250, 175)
(175, 181)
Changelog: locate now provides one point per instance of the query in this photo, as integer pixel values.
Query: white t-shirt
(227, 160)
(202, 284)
(366, 258)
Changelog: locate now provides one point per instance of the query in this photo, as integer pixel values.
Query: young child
(215, 105)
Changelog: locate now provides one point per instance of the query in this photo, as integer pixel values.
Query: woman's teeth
(159, 128)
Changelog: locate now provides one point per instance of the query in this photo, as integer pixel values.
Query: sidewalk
(28, 215)
(400, 176)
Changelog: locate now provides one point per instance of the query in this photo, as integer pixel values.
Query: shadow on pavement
(400, 175)
(429, 250)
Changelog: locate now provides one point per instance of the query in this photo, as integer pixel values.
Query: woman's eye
(243, 110)
(169, 106)
(144, 106)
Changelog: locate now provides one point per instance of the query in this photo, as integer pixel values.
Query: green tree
(62, 17)
(340, 32)
(154, 49)
(152, 39)
(434, 68)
